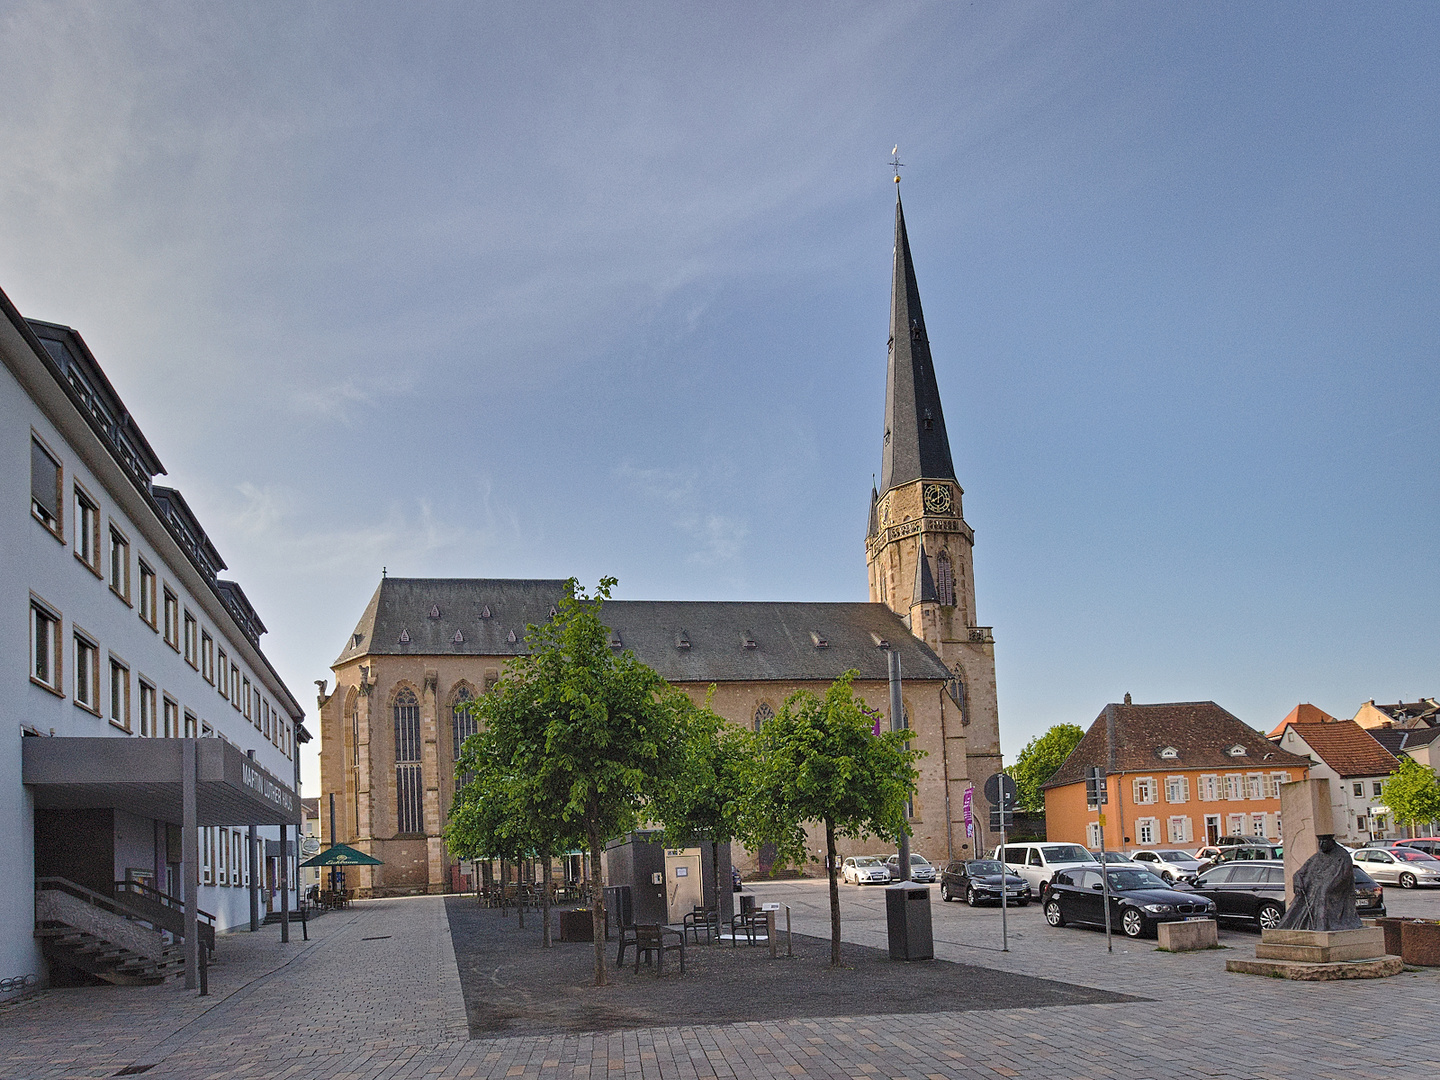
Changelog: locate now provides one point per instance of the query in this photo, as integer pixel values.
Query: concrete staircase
(81, 929)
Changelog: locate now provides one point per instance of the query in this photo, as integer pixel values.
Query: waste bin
(747, 903)
(907, 917)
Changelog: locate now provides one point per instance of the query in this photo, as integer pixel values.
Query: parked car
(1247, 853)
(921, 869)
(978, 880)
(1383, 844)
(864, 870)
(1117, 860)
(1428, 844)
(1170, 865)
(1236, 841)
(1037, 863)
(1138, 900)
(1403, 866)
(1254, 892)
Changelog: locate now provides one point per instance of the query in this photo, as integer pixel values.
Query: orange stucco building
(1180, 774)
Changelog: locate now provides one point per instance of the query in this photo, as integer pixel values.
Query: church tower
(919, 550)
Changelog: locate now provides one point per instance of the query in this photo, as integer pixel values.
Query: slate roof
(916, 445)
(1347, 748)
(791, 641)
(1200, 732)
(1398, 740)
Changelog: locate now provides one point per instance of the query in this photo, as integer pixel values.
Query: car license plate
(1197, 918)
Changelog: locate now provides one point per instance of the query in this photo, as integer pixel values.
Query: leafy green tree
(1038, 762)
(589, 735)
(819, 760)
(706, 796)
(1412, 793)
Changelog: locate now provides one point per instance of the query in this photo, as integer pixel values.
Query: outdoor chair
(703, 919)
(651, 939)
(746, 922)
(627, 937)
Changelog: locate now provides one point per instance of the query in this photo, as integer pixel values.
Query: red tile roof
(1200, 732)
(1302, 714)
(1347, 748)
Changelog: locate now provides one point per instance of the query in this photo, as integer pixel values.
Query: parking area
(1069, 954)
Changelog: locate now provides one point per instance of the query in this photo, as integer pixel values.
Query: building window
(87, 530)
(1359, 789)
(206, 731)
(87, 674)
(222, 675)
(241, 875)
(1237, 824)
(1145, 830)
(119, 564)
(1179, 830)
(172, 719)
(207, 855)
(1234, 786)
(119, 694)
(944, 580)
(172, 620)
(245, 691)
(763, 715)
(1279, 829)
(147, 710)
(1273, 782)
(45, 489)
(1093, 836)
(147, 595)
(254, 714)
(1254, 786)
(235, 686)
(462, 722)
(1376, 786)
(207, 656)
(192, 726)
(1257, 825)
(1145, 791)
(192, 641)
(1360, 823)
(45, 663)
(1377, 823)
(1209, 788)
(1177, 789)
(265, 721)
(409, 792)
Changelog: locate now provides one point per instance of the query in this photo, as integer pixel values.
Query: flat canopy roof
(143, 776)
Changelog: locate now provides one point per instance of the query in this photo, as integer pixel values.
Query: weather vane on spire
(895, 162)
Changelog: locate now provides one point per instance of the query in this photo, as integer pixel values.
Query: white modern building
(139, 699)
(1357, 767)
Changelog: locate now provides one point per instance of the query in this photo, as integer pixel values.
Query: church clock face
(937, 499)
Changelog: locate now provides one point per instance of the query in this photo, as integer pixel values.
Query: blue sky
(539, 290)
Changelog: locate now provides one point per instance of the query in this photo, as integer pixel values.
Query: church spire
(916, 445)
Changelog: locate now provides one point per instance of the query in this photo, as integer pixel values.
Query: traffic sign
(1000, 791)
(1095, 793)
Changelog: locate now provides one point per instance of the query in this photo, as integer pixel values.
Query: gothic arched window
(763, 715)
(944, 580)
(462, 722)
(409, 790)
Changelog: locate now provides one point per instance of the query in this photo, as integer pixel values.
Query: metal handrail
(159, 896)
(116, 907)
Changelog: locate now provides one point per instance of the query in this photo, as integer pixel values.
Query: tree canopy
(1038, 762)
(1412, 793)
(580, 737)
(819, 760)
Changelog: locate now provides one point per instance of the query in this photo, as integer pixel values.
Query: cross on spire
(895, 162)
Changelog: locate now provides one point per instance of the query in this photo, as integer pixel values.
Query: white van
(1037, 863)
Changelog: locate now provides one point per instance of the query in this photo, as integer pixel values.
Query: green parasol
(341, 855)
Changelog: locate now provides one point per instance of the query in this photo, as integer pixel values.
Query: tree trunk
(519, 890)
(504, 881)
(834, 893)
(597, 902)
(714, 938)
(545, 902)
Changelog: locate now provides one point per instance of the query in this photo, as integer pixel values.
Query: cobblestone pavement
(375, 996)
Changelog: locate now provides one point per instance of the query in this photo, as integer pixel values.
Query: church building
(392, 727)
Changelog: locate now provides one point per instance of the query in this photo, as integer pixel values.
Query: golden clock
(937, 499)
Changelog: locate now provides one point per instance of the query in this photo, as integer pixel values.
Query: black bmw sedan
(1138, 901)
(978, 881)
(1254, 893)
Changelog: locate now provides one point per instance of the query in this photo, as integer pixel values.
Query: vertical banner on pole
(969, 812)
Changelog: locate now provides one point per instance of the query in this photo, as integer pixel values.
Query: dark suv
(1254, 892)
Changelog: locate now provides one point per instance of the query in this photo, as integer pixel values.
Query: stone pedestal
(1320, 956)
(1188, 935)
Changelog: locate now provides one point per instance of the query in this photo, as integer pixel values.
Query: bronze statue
(1324, 891)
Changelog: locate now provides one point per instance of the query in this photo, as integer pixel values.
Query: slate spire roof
(915, 441)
